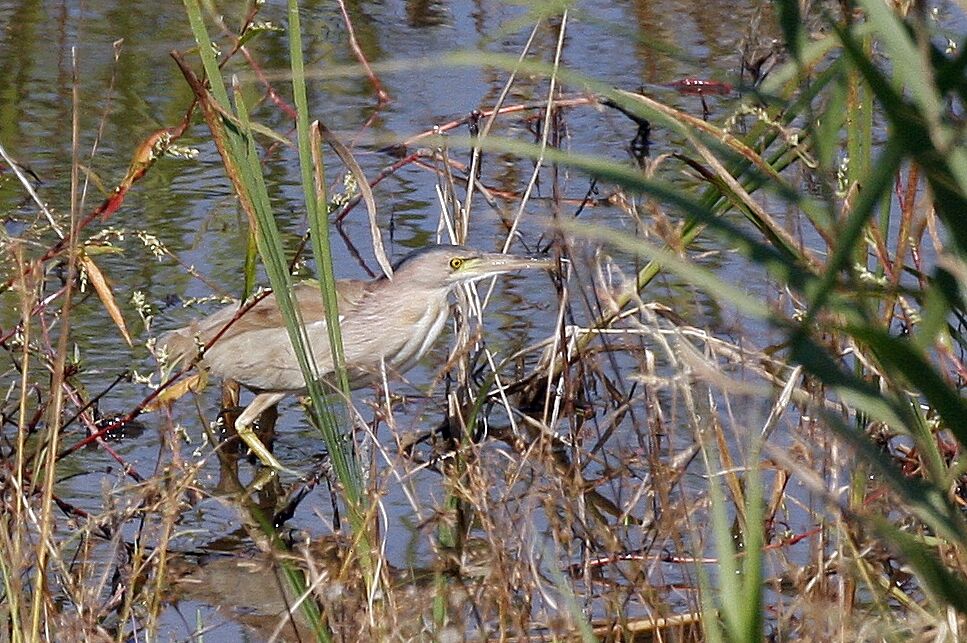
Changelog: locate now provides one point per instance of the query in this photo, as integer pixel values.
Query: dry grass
(569, 490)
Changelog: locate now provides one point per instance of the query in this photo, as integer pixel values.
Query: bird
(385, 323)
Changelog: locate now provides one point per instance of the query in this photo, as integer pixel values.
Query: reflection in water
(426, 13)
(253, 589)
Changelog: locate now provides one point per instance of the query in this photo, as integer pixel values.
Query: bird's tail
(179, 347)
(182, 345)
(175, 350)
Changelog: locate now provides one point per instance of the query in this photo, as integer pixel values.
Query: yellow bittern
(384, 322)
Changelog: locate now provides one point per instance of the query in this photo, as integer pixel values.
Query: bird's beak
(489, 264)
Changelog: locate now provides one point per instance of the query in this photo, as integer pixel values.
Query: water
(188, 206)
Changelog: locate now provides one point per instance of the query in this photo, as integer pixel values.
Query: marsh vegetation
(734, 410)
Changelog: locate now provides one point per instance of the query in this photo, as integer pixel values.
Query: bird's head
(445, 267)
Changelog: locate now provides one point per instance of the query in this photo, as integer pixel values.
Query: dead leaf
(193, 383)
(105, 294)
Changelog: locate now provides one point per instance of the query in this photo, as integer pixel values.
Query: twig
(30, 190)
(510, 109)
(381, 95)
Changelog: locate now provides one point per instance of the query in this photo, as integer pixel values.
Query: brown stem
(381, 94)
(510, 109)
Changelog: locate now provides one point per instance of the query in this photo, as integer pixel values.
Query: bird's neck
(424, 316)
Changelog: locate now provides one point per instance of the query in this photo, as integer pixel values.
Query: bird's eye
(455, 263)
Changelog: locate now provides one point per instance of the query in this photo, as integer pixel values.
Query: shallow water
(187, 204)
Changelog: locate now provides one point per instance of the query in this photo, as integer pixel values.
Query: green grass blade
(315, 198)
(234, 136)
(905, 58)
(902, 357)
(946, 586)
(876, 189)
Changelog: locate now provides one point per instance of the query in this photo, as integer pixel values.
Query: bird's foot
(273, 465)
(262, 453)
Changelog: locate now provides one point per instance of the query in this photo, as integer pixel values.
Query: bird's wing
(183, 343)
(349, 291)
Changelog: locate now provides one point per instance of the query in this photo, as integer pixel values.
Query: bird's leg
(243, 426)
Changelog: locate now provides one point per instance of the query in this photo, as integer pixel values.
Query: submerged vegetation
(736, 413)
